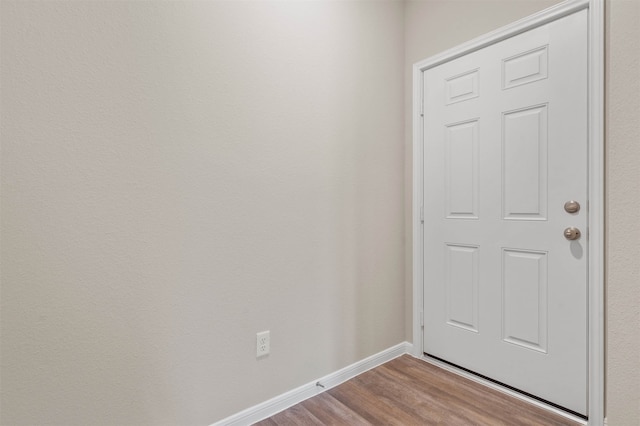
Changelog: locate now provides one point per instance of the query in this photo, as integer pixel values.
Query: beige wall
(177, 176)
(434, 26)
(622, 212)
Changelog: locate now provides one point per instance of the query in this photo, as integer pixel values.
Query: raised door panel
(461, 168)
(524, 163)
(461, 283)
(524, 298)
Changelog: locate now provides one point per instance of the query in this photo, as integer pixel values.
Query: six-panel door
(505, 146)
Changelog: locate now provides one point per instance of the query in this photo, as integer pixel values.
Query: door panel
(524, 163)
(524, 298)
(461, 282)
(461, 164)
(505, 146)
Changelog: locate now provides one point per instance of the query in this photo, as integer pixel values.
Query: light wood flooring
(408, 391)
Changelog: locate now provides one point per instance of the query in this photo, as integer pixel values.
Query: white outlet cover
(263, 343)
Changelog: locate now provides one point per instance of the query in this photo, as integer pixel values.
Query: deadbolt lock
(572, 206)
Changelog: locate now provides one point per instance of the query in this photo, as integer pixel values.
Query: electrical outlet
(263, 341)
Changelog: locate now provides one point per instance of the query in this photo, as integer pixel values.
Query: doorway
(505, 163)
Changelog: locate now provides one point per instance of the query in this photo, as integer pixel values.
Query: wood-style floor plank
(330, 411)
(293, 416)
(371, 405)
(409, 391)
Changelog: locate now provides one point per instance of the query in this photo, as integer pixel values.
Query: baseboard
(293, 397)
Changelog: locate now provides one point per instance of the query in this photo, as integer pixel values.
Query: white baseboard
(293, 397)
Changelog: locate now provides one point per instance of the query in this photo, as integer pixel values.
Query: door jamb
(595, 244)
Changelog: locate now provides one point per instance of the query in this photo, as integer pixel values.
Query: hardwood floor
(408, 391)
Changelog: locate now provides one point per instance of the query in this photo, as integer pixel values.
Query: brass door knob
(572, 233)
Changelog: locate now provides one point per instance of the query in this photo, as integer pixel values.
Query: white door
(505, 146)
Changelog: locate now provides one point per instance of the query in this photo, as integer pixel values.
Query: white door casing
(505, 294)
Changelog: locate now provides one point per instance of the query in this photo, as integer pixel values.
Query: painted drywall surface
(623, 205)
(430, 29)
(177, 176)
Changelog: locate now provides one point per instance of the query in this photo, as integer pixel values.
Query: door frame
(595, 242)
